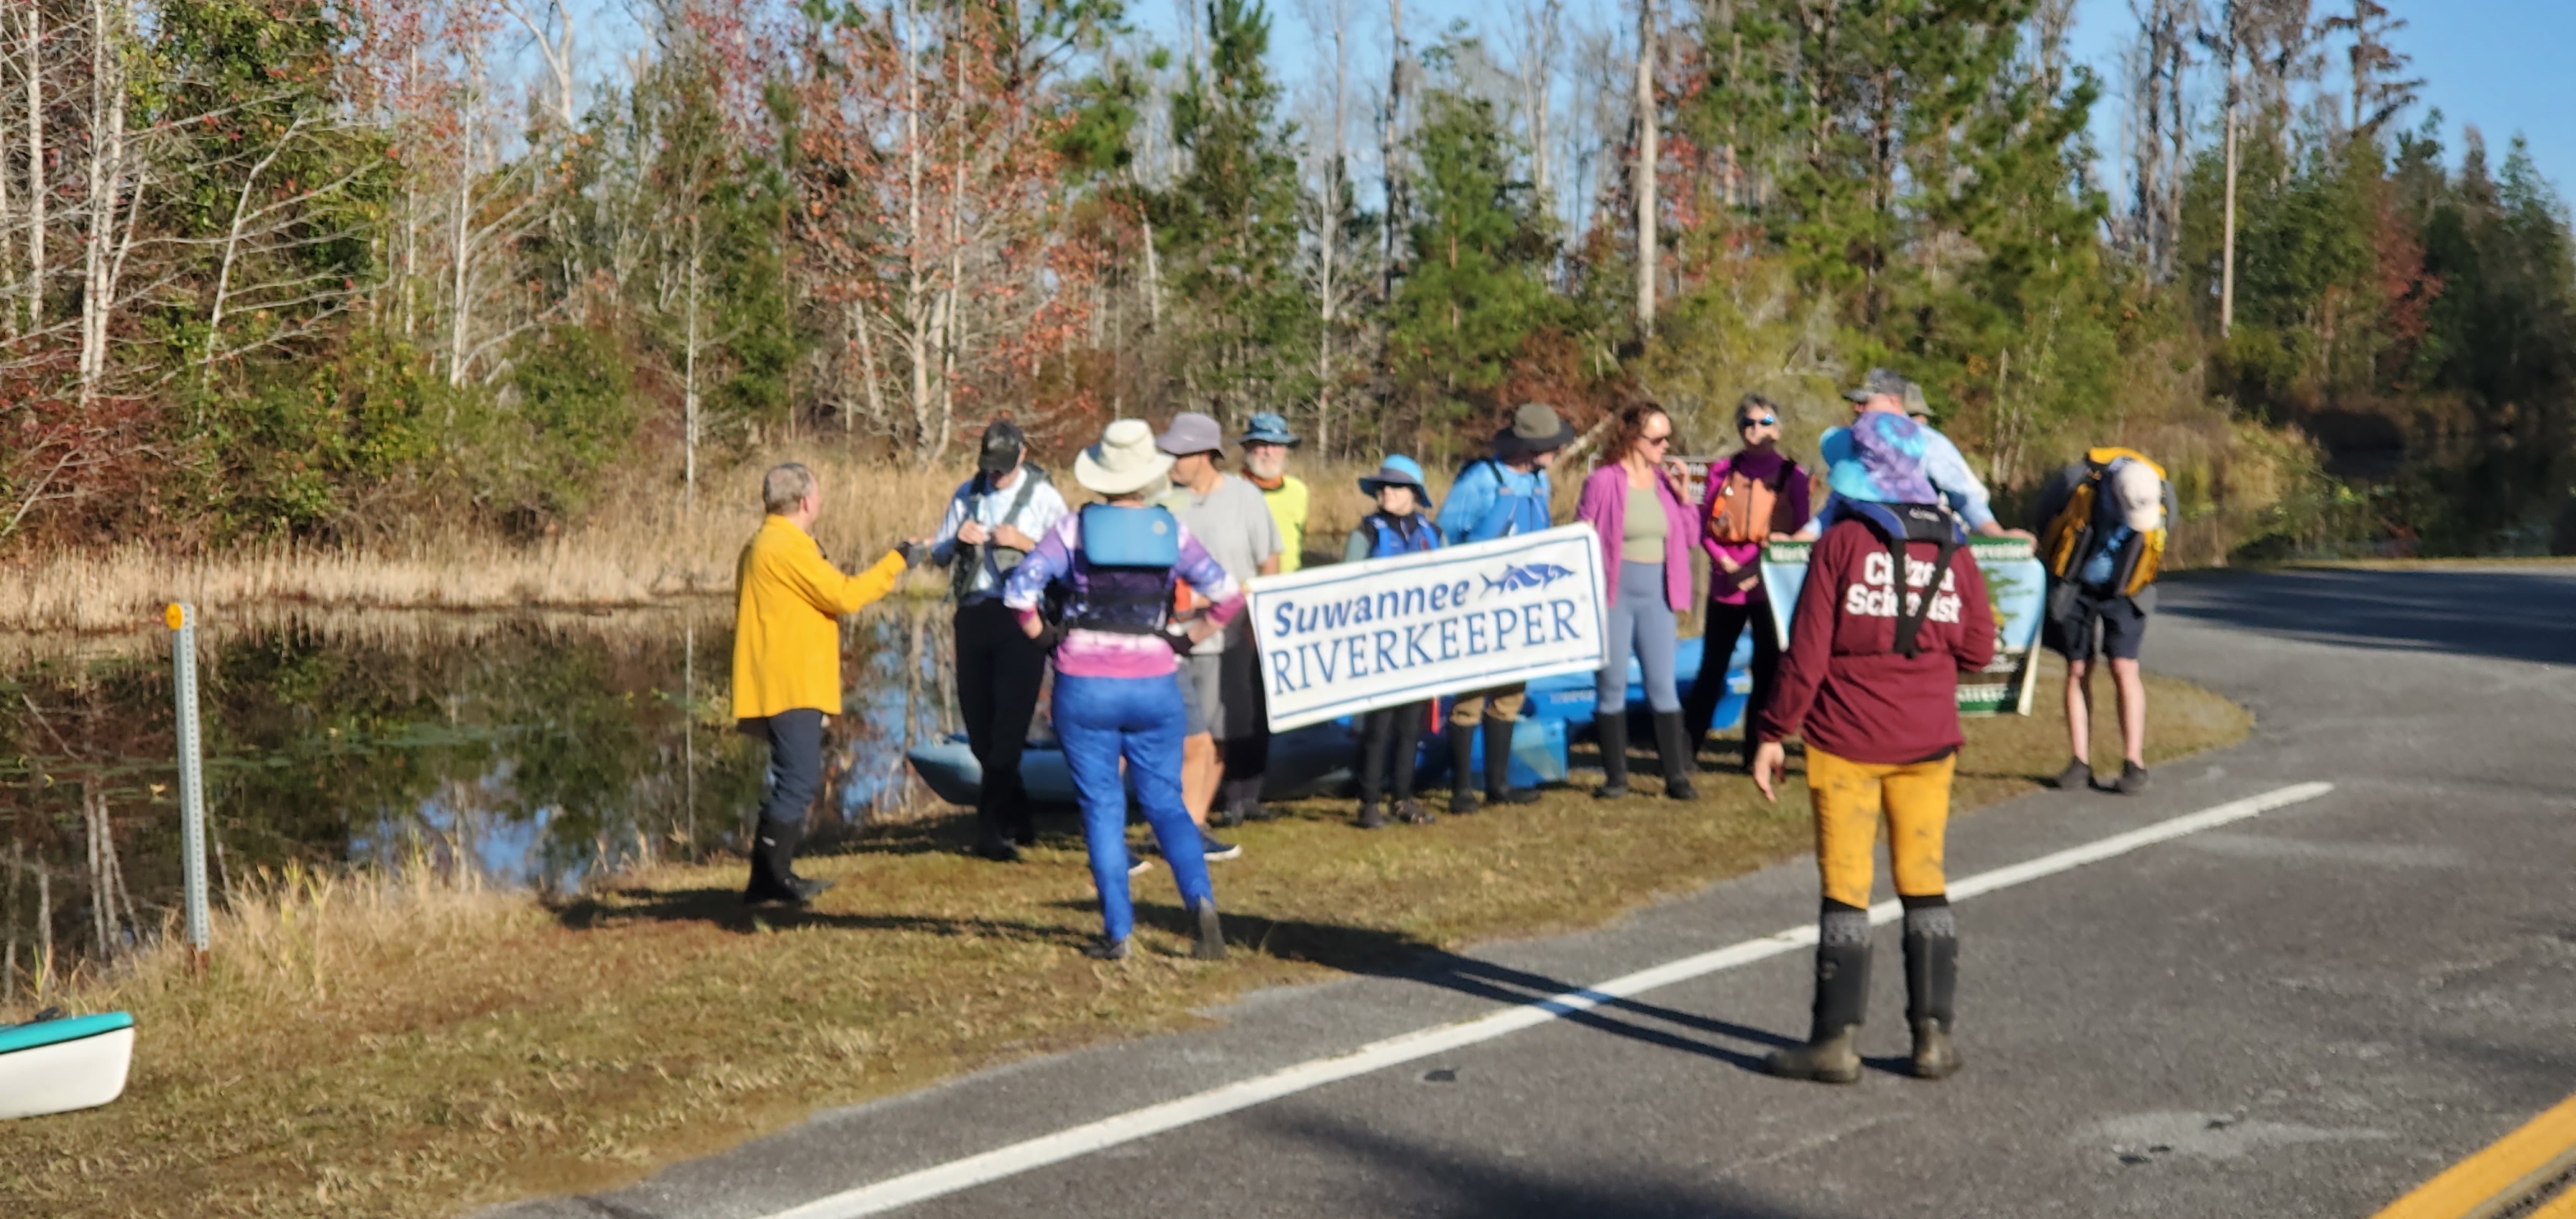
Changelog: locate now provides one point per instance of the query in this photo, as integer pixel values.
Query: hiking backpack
(1896, 525)
(2071, 534)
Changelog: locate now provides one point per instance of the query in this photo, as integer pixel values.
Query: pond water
(532, 750)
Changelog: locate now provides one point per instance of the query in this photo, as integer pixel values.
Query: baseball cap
(1003, 447)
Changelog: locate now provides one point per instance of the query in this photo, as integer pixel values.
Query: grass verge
(401, 1048)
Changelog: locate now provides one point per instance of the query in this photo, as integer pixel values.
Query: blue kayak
(1317, 760)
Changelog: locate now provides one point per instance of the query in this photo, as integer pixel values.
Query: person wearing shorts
(1228, 745)
(2099, 602)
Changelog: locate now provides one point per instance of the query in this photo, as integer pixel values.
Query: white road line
(1135, 1124)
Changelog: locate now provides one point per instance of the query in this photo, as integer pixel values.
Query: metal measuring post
(182, 618)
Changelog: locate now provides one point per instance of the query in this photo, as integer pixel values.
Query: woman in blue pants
(1115, 697)
(1647, 532)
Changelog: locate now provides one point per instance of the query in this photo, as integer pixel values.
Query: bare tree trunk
(689, 369)
(35, 168)
(1391, 151)
(232, 243)
(1649, 155)
(106, 176)
(461, 309)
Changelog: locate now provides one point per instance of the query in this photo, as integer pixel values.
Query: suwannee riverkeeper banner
(1353, 637)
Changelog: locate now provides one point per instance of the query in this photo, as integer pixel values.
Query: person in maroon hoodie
(1874, 693)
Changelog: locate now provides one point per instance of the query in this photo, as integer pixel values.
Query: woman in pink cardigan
(1647, 532)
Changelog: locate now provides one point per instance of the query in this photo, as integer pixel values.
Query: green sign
(2016, 584)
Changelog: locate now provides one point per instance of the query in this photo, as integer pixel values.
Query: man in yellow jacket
(787, 664)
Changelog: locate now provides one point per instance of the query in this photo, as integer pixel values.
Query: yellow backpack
(2069, 533)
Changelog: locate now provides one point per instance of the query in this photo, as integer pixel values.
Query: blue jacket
(1490, 501)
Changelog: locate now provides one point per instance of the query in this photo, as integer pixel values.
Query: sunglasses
(1655, 440)
(1759, 421)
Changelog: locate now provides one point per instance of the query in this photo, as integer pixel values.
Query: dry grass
(397, 1047)
(636, 551)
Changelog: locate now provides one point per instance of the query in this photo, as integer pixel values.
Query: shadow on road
(1384, 954)
(2512, 615)
(1417, 1178)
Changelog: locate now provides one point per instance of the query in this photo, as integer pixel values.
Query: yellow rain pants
(1848, 799)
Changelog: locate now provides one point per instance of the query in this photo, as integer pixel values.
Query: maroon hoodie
(1843, 688)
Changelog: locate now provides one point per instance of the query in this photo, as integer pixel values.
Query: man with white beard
(1265, 465)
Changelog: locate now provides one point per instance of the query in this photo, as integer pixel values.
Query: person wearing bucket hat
(1265, 465)
(1884, 392)
(2103, 529)
(993, 520)
(1892, 610)
(1229, 735)
(1115, 701)
(787, 663)
(1496, 496)
(1400, 526)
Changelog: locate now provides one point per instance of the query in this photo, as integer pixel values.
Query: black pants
(999, 669)
(795, 776)
(1391, 728)
(1717, 643)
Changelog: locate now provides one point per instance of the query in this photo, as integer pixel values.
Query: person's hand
(1725, 564)
(915, 551)
(1768, 760)
(1202, 630)
(972, 533)
(1032, 626)
(1010, 535)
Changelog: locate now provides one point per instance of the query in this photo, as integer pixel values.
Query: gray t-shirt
(1234, 523)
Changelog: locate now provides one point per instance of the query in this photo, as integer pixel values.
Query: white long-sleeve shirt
(992, 510)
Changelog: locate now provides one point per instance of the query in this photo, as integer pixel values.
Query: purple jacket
(1604, 506)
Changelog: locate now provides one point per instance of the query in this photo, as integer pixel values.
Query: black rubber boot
(1498, 766)
(1931, 985)
(1832, 1052)
(1211, 938)
(1612, 728)
(1462, 770)
(773, 873)
(1673, 746)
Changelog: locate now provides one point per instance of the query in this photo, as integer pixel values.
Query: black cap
(1003, 445)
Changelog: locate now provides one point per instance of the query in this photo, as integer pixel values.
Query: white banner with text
(1353, 637)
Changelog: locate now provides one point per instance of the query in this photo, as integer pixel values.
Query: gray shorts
(1219, 693)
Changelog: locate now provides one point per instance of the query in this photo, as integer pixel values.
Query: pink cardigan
(1604, 505)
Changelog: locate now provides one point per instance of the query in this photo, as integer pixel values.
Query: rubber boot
(1832, 1052)
(1498, 766)
(1612, 728)
(1462, 769)
(1673, 746)
(1931, 986)
(773, 847)
(1210, 945)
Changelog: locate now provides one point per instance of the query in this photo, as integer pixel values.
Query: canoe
(1318, 760)
(56, 1066)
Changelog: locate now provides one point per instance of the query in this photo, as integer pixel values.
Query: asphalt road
(2306, 1013)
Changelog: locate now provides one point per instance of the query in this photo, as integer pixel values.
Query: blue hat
(1879, 460)
(1270, 427)
(1396, 471)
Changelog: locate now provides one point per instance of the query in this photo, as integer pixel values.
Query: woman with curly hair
(1634, 502)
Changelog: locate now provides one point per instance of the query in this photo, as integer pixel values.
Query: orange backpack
(1748, 509)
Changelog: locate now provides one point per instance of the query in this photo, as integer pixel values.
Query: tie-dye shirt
(1111, 653)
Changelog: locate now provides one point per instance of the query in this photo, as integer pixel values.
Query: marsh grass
(401, 1044)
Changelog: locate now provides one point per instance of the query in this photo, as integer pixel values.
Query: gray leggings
(1641, 623)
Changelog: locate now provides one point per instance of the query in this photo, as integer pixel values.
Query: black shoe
(1103, 948)
(1514, 795)
(794, 891)
(1210, 945)
(2132, 780)
(1257, 811)
(1671, 749)
(1612, 730)
(1370, 816)
(1463, 801)
(1410, 811)
(998, 850)
(2076, 777)
(1226, 817)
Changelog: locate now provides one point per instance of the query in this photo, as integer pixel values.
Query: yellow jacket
(1288, 507)
(787, 620)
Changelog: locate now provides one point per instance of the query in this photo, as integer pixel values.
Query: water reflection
(530, 751)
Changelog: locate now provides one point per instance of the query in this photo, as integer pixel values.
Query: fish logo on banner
(1354, 637)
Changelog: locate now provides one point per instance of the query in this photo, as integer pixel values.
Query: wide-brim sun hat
(1396, 471)
(1879, 460)
(1124, 461)
(1269, 427)
(1535, 428)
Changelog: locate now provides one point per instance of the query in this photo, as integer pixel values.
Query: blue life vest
(1128, 555)
(1409, 534)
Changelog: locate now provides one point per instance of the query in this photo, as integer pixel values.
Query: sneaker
(2076, 777)
(1138, 865)
(1105, 949)
(2132, 780)
(1217, 848)
(1411, 810)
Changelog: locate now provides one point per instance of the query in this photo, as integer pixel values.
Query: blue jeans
(1099, 720)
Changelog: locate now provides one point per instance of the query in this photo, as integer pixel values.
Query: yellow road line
(2495, 1178)
(2561, 1207)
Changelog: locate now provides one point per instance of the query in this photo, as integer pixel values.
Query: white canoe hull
(65, 1075)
